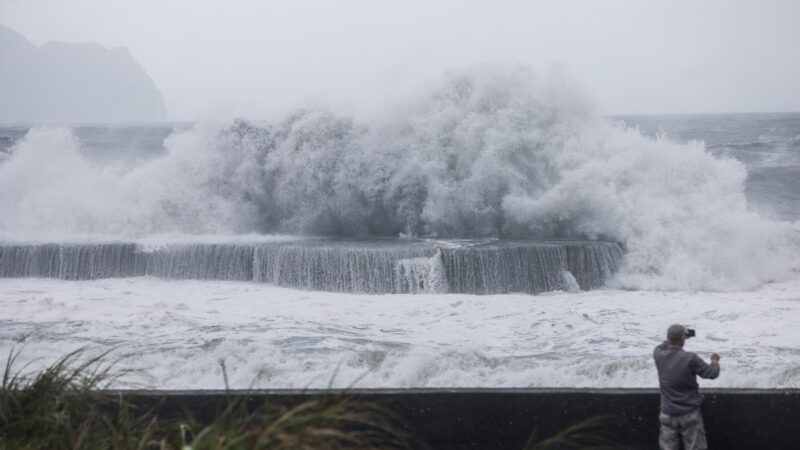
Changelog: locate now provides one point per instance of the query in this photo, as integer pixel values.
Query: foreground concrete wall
(505, 418)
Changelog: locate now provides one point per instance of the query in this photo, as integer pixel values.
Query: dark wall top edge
(423, 391)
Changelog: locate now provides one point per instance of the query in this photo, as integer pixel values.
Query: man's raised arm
(705, 370)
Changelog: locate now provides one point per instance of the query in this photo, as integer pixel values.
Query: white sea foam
(490, 150)
(178, 331)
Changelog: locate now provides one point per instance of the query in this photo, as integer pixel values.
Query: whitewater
(703, 209)
(176, 334)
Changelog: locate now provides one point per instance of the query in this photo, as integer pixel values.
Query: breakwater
(334, 265)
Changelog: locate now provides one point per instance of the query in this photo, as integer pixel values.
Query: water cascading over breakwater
(368, 266)
(385, 266)
(525, 266)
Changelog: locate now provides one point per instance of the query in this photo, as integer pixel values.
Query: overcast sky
(261, 58)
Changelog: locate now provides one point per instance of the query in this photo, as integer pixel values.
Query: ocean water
(177, 242)
(768, 145)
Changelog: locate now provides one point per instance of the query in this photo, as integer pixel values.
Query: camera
(689, 332)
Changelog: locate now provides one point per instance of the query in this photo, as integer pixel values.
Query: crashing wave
(490, 151)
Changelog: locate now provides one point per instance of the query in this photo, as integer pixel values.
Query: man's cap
(676, 332)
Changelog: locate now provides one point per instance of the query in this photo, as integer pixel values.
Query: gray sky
(261, 58)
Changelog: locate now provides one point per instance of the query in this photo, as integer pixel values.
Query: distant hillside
(73, 83)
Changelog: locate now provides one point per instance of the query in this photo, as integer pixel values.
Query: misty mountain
(72, 83)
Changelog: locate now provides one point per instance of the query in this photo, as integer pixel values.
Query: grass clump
(321, 423)
(56, 408)
(64, 407)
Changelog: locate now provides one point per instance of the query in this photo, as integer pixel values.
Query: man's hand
(714, 357)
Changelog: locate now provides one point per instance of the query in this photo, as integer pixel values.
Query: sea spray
(490, 151)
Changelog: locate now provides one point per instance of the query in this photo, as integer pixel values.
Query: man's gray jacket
(677, 371)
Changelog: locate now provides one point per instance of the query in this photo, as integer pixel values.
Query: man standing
(680, 399)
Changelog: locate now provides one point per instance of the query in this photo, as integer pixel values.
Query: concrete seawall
(505, 418)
